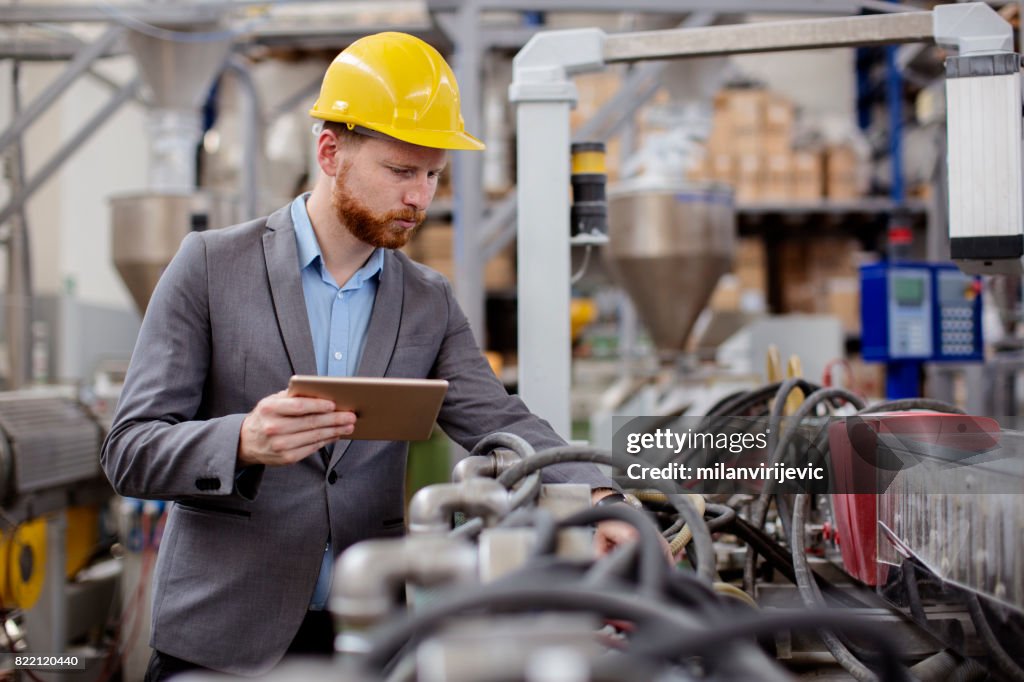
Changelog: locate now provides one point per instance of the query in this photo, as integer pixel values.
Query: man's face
(383, 187)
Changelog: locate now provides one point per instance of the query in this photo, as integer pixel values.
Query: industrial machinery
(769, 588)
(501, 581)
(52, 492)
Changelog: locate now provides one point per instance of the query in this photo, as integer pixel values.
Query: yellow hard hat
(398, 85)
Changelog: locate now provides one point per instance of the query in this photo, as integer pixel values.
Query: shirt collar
(309, 247)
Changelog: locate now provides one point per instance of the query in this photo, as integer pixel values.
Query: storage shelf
(867, 205)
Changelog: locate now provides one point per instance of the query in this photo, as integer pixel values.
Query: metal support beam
(79, 65)
(680, 6)
(68, 149)
(18, 315)
(774, 36)
(468, 172)
(543, 92)
(163, 14)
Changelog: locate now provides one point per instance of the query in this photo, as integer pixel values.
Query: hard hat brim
(437, 139)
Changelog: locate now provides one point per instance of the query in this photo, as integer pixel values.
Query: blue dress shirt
(338, 319)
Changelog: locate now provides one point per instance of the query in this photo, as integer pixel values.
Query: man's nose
(420, 193)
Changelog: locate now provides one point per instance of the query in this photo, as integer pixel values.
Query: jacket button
(332, 477)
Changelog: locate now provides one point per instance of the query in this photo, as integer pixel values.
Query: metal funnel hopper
(179, 73)
(147, 231)
(668, 245)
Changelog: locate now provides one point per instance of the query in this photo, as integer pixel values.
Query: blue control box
(924, 312)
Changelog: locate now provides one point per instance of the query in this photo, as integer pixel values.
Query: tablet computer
(386, 409)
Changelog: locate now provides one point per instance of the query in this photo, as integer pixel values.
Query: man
(316, 288)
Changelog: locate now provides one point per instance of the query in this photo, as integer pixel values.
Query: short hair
(341, 130)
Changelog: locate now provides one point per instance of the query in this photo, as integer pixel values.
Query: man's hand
(284, 429)
(611, 534)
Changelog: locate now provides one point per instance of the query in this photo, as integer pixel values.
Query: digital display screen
(908, 291)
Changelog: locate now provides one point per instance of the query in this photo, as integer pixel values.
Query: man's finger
(292, 406)
(302, 439)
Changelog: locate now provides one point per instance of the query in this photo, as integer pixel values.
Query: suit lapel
(286, 289)
(381, 333)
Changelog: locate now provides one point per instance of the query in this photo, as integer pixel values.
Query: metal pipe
(368, 573)
(431, 507)
(286, 105)
(775, 36)
(484, 466)
(252, 136)
(475, 466)
(68, 149)
(79, 65)
(19, 265)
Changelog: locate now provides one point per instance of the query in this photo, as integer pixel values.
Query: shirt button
(338, 356)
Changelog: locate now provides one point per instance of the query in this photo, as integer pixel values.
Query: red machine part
(858, 465)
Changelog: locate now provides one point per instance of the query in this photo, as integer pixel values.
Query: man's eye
(402, 172)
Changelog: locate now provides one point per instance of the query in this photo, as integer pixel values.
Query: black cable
(812, 598)
(760, 510)
(557, 455)
(709, 643)
(498, 598)
(782, 561)
(502, 439)
(653, 567)
(575, 453)
(722, 516)
(1000, 657)
(530, 489)
(543, 524)
(913, 594)
(725, 401)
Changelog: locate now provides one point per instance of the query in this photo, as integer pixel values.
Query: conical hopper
(147, 231)
(179, 73)
(668, 245)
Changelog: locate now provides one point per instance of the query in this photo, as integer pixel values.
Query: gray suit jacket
(227, 326)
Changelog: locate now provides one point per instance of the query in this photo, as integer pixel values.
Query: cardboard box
(808, 175)
(778, 177)
(748, 177)
(842, 299)
(593, 90)
(779, 114)
(845, 173)
(721, 168)
(500, 271)
(750, 266)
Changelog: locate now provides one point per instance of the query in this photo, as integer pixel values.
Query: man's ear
(327, 152)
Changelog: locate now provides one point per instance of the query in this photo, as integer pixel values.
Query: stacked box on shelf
(750, 265)
(751, 148)
(432, 245)
(820, 276)
(845, 172)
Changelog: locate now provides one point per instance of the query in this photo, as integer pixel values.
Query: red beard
(375, 229)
